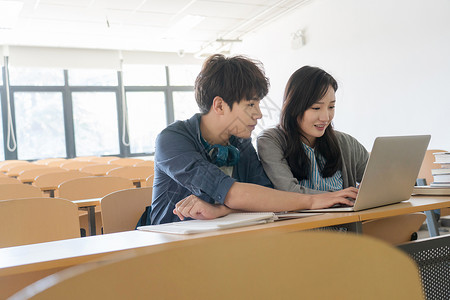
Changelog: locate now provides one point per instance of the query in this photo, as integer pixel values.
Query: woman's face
(317, 118)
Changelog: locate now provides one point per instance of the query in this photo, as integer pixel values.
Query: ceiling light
(9, 13)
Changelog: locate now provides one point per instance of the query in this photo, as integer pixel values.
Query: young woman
(304, 154)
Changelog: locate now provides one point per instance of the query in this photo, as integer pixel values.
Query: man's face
(243, 117)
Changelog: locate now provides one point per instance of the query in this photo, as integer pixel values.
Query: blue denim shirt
(182, 168)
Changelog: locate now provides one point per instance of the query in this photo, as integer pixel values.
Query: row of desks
(22, 265)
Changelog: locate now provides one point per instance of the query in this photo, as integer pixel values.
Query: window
(184, 105)
(36, 77)
(93, 78)
(144, 75)
(2, 150)
(146, 119)
(183, 75)
(95, 123)
(67, 113)
(39, 125)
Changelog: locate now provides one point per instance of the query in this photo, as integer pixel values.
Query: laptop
(390, 174)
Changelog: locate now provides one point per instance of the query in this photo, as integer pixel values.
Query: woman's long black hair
(305, 87)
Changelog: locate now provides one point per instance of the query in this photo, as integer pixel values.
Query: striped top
(315, 180)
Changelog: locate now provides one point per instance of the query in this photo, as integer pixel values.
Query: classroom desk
(89, 205)
(22, 265)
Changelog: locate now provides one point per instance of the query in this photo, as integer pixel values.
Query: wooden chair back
(147, 163)
(132, 173)
(46, 161)
(126, 161)
(98, 169)
(7, 164)
(149, 180)
(51, 181)
(17, 191)
(30, 175)
(15, 170)
(57, 162)
(84, 158)
(394, 230)
(306, 265)
(76, 164)
(121, 210)
(37, 220)
(428, 164)
(92, 187)
(9, 180)
(104, 159)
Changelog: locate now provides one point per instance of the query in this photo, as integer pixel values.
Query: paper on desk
(197, 226)
(295, 215)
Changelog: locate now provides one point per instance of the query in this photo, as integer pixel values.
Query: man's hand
(195, 208)
(326, 200)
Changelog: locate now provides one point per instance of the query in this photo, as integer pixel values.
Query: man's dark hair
(233, 79)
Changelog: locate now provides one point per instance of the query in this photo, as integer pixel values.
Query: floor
(444, 228)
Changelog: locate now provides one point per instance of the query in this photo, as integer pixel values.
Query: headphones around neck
(222, 155)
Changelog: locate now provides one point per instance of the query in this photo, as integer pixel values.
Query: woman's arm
(271, 145)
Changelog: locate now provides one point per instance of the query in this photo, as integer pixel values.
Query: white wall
(390, 58)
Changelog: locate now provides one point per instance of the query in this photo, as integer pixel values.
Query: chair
(84, 158)
(395, 230)
(104, 159)
(425, 172)
(28, 176)
(5, 165)
(98, 169)
(427, 165)
(125, 161)
(48, 183)
(37, 220)
(432, 256)
(92, 187)
(46, 161)
(149, 180)
(76, 164)
(136, 174)
(148, 163)
(15, 170)
(9, 180)
(306, 265)
(17, 191)
(121, 210)
(56, 162)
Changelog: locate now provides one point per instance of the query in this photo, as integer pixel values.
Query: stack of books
(441, 176)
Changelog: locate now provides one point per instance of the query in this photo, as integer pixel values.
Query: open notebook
(197, 226)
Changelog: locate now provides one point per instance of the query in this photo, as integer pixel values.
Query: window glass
(184, 105)
(2, 150)
(36, 76)
(1, 76)
(91, 77)
(95, 123)
(183, 74)
(39, 125)
(146, 119)
(144, 75)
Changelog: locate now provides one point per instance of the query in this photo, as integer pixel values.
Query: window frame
(67, 91)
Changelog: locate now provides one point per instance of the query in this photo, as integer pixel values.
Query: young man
(206, 167)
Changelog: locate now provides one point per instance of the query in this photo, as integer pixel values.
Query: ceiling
(182, 26)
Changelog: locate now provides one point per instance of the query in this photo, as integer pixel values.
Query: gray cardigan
(271, 144)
